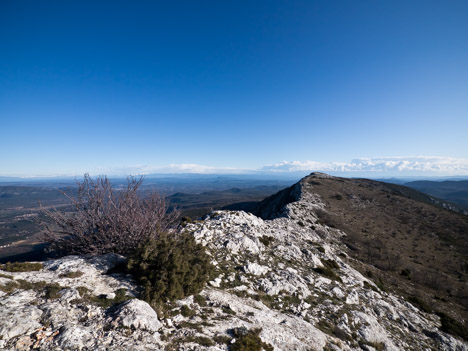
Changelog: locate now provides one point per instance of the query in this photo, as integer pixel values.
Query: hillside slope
(455, 191)
(408, 241)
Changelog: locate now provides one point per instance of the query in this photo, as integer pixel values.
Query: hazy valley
(194, 196)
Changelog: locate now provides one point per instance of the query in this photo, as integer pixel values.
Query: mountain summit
(414, 243)
(327, 264)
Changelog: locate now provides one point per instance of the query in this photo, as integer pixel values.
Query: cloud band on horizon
(412, 165)
(370, 167)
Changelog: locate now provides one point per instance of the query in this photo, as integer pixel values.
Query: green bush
(201, 300)
(52, 291)
(170, 267)
(266, 240)
(321, 249)
(405, 273)
(249, 340)
(187, 311)
(451, 326)
(222, 339)
(9, 287)
(328, 270)
(201, 340)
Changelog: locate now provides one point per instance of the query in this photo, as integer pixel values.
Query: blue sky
(102, 87)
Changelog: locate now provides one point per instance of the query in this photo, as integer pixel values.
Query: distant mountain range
(451, 190)
(454, 191)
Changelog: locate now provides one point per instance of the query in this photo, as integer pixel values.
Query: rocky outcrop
(65, 306)
(136, 314)
(288, 276)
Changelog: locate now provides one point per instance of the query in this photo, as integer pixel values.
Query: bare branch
(107, 220)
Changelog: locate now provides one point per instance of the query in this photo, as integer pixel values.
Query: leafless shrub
(107, 220)
(433, 280)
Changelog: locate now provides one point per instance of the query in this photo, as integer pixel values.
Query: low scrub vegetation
(328, 270)
(249, 340)
(266, 240)
(21, 266)
(171, 267)
(71, 274)
(9, 286)
(418, 302)
(201, 340)
(52, 291)
(451, 326)
(102, 300)
(49, 290)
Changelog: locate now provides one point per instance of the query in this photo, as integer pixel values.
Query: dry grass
(73, 274)
(21, 266)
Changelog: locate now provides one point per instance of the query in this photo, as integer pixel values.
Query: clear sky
(98, 86)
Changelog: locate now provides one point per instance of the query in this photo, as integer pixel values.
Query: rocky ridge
(288, 275)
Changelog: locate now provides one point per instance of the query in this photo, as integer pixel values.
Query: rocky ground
(287, 281)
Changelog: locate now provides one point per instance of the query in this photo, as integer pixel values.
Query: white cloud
(177, 168)
(194, 168)
(385, 165)
(362, 167)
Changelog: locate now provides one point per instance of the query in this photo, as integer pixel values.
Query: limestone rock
(137, 314)
(255, 269)
(74, 338)
(19, 320)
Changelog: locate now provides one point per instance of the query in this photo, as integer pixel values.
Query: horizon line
(418, 166)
